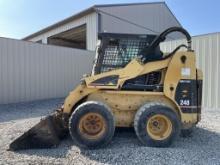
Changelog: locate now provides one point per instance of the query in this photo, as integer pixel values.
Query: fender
(80, 92)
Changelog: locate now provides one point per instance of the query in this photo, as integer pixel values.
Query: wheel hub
(159, 127)
(92, 125)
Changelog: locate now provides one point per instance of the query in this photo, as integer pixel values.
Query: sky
(19, 18)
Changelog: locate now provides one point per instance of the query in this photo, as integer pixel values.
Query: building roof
(86, 12)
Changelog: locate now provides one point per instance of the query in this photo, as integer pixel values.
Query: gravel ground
(202, 148)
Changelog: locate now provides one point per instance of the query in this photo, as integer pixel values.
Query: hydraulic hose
(163, 35)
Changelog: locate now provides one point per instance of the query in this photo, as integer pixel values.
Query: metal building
(207, 49)
(81, 30)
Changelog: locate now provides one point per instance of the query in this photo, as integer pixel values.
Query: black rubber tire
(140, 121)
(81, 110)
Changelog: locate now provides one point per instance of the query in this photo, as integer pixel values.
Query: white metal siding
(207, 51)
(31, 71)
(91, 23)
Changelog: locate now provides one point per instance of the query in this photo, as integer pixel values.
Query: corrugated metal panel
(207, 51)
(31, 71)
(91, 23)
(155, 16)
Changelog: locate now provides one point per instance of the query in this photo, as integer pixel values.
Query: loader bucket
(47, 133)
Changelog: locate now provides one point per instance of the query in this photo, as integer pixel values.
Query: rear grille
(153, 78)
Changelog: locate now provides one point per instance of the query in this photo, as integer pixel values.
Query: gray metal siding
(207, 51)
(155, 16)
(31, 71)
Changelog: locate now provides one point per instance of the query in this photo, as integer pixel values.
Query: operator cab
(115, 51)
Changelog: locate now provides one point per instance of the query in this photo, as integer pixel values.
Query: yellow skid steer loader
(133, 84)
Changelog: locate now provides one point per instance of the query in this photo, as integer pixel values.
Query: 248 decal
(184, 102)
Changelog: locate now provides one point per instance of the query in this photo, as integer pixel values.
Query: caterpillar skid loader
(133, 84)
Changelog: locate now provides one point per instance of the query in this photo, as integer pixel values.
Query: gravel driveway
(202, 148)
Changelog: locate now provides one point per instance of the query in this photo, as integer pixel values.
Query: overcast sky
(19, 18)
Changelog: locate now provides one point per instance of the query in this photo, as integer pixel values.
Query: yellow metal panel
(133, 69)
(124, 104)
(174, 72)
(75, 96)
